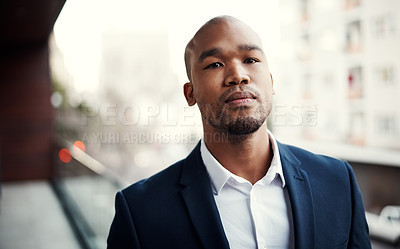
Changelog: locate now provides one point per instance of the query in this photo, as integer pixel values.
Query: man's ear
(272, 82)
(188, 92)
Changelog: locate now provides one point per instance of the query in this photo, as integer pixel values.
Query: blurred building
(26, 115)
(135, 62)
(140, 102)
(339, 75)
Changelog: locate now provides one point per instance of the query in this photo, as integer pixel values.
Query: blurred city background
(91, 93)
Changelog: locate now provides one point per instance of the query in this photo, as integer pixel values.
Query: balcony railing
(86, 189)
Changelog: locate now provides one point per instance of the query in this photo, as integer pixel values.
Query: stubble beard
(235, 125)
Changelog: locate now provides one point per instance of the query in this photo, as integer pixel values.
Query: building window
(386, 125)
(384, 26)
(357, 128)
(385, 76)
(304, 12)
(328, 80)
(303, 48)
(355, 83)
(353, 37)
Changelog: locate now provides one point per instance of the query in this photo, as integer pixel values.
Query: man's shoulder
(165, 180)
(311, 161)
(304, 154)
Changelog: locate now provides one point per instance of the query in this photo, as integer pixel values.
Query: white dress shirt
(253, 216)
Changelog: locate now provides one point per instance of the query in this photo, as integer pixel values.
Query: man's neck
(248, 158)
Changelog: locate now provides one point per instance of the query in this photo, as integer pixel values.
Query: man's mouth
(240, 98)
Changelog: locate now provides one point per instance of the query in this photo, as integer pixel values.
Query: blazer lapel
(301, 199)
(200, 203)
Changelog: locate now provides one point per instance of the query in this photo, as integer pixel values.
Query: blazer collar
(203, 212)
(200, 203)
(301, 199)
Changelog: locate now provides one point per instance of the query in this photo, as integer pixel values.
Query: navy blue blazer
(176, 209)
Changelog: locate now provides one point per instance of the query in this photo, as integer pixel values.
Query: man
(239, 188)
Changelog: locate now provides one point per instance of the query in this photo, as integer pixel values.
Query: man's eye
(214, 65)
(250, 61)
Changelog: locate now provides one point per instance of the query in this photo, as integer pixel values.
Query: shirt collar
(219, 175)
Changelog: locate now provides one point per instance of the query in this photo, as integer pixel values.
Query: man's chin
(244, 126)
(240, 131)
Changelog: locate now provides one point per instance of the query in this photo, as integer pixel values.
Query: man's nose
(237, 75)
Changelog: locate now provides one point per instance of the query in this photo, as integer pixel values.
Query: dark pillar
(26, 114)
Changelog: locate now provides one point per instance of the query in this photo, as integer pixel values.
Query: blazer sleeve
(122, 231)
(359, 235)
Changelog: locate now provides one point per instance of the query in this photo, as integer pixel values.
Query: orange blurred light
(78, 144)
(64, 155)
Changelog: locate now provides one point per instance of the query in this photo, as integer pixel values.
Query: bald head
(201, 34)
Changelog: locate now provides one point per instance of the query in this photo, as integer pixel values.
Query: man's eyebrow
(249, 47)
(208, 53)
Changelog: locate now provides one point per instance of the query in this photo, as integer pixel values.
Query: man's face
(230, 79)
